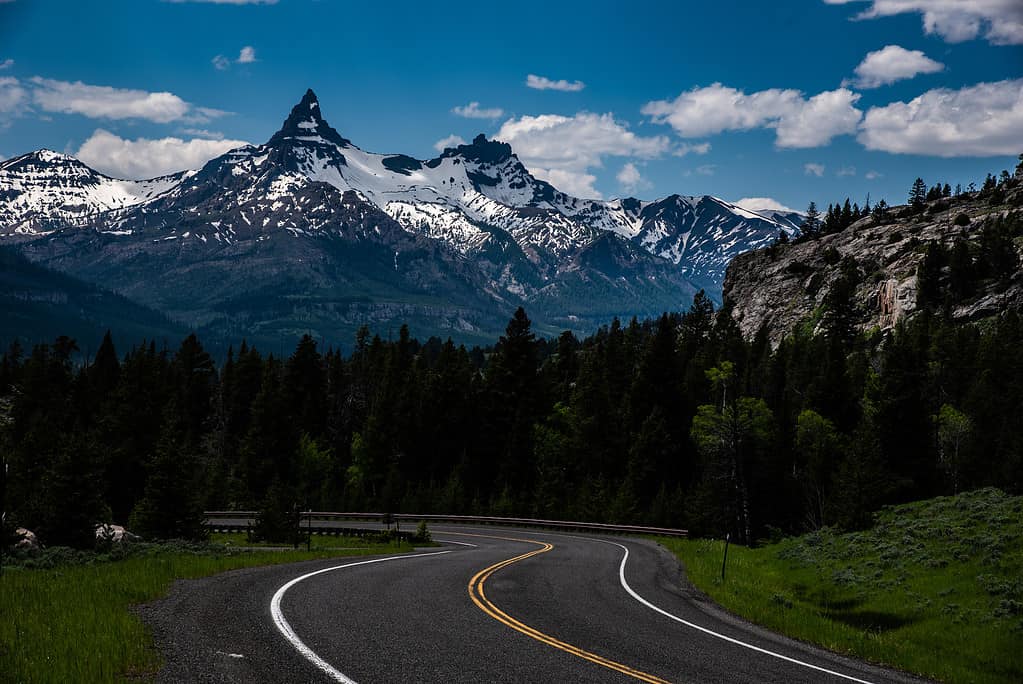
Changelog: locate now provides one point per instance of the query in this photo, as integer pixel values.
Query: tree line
(676, 421)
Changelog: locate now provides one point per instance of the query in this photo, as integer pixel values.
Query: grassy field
(319, 541)
(935, 587)
(69, 620)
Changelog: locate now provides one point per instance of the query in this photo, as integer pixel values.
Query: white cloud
(893, 63)
(631, 179)
(450, 141)
(706, 170)
(544, 83)
(145, 158)
(846, 171)
(683, 149)
(13, 95)
(6, 64)
(983, 120)
(798, 121)
(562, 149)
(473, 111)
(759, 204)
(104, 102)
(202, 133)
(575, 183)
(873, 175)
(811, 169)
(999, 21)
(247, 55)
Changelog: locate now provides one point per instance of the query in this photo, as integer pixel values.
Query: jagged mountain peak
(482, 150)
(306, 122)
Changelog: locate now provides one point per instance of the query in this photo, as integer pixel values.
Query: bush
(422, 535)
(962, 220)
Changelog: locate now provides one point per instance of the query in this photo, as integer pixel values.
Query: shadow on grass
(871, 620)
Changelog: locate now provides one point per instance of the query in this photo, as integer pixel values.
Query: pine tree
(811, 223)
(918, 194)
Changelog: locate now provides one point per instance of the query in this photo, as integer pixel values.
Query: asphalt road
(516, 606)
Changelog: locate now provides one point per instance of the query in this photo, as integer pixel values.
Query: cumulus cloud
(450, 141)
(473, 111)
(104, 102)
(1000, 22)
(544, 83)
(575, 183)
(846, 171)
(562, 149)
(13, 95)
(147, 158)
(798, 122)
(247, 55)
(221, 63)
(873, 175)
(812, 169)
(631, 179)
(761, 204)
(6, 64)
(983, 120)
(893, 63)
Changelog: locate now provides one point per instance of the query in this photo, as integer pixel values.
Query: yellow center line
(479, 597)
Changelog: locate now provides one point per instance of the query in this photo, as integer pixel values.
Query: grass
(935, 587)
(319, 541)
(66, 617)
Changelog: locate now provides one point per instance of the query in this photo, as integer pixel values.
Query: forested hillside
(675, 421)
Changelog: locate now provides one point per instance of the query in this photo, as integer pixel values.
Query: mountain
(38, 305)
(308, 232)
(968, 250)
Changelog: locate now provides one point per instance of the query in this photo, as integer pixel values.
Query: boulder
(114, 533)
(27, 539)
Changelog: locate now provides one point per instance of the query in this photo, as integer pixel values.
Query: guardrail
(217, 520)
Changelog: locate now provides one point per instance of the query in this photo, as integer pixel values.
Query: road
(489, 605)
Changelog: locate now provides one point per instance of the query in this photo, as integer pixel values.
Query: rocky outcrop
(786, 286)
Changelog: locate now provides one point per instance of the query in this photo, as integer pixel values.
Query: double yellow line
(479, 597)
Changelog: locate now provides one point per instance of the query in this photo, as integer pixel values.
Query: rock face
(27, 540)
(787, 285)
(310, 233)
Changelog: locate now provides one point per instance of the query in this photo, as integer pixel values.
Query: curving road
(491, 605)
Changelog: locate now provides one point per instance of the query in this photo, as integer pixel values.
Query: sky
(771, 104)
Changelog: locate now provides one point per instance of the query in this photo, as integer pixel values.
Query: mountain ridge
(483, 232)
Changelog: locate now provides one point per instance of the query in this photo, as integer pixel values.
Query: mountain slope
(876, 261)
(38, 305)
(457, 241)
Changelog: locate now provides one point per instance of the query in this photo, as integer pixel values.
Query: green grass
(72, 622)
(319, 541)
(935, 587)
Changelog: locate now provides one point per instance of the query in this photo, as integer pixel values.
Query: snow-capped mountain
(321, 228)
(44, 190)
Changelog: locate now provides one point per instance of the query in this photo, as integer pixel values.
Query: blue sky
(794, 101)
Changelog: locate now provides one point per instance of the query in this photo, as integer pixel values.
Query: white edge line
(452, 541)
(289, 633)
(621, 576)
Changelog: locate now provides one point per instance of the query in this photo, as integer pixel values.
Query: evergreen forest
(675, 422)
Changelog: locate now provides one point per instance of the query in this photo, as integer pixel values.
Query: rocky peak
(482, 150)
(306, 122)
